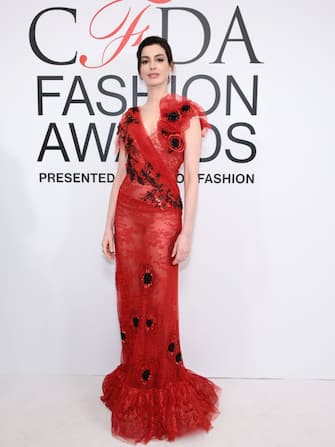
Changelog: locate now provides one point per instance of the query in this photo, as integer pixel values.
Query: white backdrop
(257, 296)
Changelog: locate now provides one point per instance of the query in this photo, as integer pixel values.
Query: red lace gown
(151, 393)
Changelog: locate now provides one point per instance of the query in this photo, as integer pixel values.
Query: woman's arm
(182, 246)
(108, 246)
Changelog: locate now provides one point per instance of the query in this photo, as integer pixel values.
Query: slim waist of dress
(161, 205)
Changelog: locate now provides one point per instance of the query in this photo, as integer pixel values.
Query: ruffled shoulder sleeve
(176, 112)
(121, 133)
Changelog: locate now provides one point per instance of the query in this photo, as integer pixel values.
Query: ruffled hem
(140, 415)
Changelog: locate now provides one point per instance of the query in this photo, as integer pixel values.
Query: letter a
(245, 38)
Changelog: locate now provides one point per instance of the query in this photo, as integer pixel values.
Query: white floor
(65, 411)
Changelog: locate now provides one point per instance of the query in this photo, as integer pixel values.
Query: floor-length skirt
(151, 393)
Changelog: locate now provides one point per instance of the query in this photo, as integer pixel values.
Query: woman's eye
(160, 59)
(144, 62)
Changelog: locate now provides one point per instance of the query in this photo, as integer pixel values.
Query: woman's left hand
(181, 248)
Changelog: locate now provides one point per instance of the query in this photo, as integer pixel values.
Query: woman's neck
(156, 94)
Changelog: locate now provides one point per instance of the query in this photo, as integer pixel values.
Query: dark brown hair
(154, 40)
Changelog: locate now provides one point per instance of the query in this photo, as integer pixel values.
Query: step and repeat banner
(257, 294)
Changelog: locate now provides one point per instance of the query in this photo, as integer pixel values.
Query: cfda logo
(129, 28)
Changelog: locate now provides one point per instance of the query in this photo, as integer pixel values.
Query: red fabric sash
(151, 154)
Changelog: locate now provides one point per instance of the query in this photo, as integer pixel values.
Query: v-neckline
(148, 134)
(154, 132)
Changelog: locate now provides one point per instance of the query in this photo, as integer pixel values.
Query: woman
(151, 393)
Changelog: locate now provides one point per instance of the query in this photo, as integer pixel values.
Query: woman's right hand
(108, 245)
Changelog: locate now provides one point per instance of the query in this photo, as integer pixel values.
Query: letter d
(203, 22)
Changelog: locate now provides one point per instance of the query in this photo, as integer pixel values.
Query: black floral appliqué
(136, 321)
(171, 347)
(150, 323)
(173, 116)
(146, 374)
(175, 142)
(178, 357)
(147, 278)
(160, 196)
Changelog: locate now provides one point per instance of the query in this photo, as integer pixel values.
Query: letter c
(32, 37)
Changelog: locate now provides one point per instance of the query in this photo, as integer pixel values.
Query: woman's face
(154, 66)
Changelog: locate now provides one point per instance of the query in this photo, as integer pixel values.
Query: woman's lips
(153, 75)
